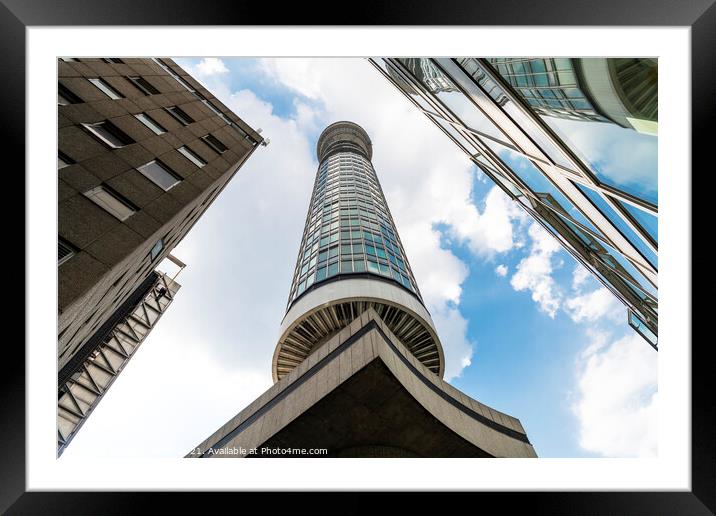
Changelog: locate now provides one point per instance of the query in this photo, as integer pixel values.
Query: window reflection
(619, 157)
(600, 112)
(606, 110)
(445, 90)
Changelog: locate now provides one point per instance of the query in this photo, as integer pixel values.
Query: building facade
(503, 114)
(358, 366)
(622, 91)
(143, 151)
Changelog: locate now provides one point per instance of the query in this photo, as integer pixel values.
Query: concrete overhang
(363, 394)
(324, 311)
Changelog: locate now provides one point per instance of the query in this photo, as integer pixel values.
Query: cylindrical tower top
(343, 137)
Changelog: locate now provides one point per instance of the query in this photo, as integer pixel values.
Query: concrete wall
(111, 256)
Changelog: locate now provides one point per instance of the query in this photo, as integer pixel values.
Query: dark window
(208, 103)
(65, 96)
(65, 251)
(143, 85)
(109, 134)
(63, 160)
(213, 142)
(180, 115)
(239, 130)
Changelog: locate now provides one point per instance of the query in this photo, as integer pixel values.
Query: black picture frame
(700, 15)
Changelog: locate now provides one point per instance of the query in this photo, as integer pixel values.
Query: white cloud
(616, 404)
(501, 270)
(298, 75)
(490, 232)
(210, 66)
(595, 305)
(580, 276)
(534, 272)
(616, 398)
(452, 329)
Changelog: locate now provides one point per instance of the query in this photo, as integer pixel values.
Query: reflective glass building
(572, 141)
(620, 91)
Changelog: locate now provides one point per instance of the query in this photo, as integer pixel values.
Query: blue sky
(525, 330)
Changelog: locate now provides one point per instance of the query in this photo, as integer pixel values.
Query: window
(106, 88)
(184, 83)
(180, 115)
(165, 67)
(156, 249)
(213, 142)
(64, 251)
(143, 85)
(110, 201)
(238, 129)
(109, 134)
(65, 96)
(159, 174)
(112, 60)
(174, 74)
(152, 124)
(63, 160)
(208, 104)
(191, 156)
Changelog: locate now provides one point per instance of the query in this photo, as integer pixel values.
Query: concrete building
(143, 151)
(358, 366)
(501, 113)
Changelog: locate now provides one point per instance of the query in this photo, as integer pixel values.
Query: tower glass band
(349, 228)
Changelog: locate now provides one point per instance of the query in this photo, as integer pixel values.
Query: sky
(525, 329)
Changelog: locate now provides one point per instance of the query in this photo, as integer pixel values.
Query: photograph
(433, 257)
(416, 254)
